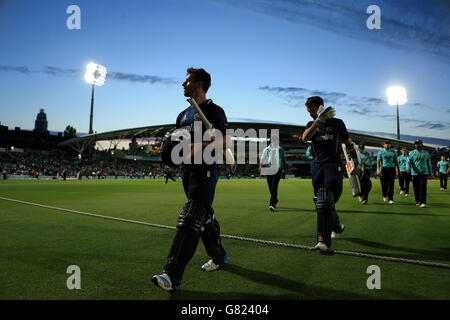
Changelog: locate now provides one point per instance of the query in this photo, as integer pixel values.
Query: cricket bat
(353, 176)
(228, 154)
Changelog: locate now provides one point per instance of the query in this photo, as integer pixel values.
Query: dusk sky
(265, 59)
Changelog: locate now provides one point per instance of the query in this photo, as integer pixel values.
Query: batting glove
(325, 114)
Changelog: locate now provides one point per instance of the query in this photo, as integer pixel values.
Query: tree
(70, 132)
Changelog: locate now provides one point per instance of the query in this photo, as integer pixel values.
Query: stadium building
(143, 144)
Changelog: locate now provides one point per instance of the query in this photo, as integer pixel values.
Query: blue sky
(265, 59)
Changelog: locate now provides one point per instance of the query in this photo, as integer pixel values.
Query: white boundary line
(274, 243)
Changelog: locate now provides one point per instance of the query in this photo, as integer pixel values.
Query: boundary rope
(267, 242)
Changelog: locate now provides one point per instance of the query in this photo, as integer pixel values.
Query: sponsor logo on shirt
(325, 137)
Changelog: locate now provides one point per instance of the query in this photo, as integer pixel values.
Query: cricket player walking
(196, 219)
(405, 172)
(387, 168)
(273, 157)
(326, 134)
(366, 184)
(420, 163)
(443, 168)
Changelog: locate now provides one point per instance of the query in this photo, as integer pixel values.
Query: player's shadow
(303, 210)
(202, 295)
(299, 290)
(387, 212)
(409, 253)
(299, 210)
(432, 205)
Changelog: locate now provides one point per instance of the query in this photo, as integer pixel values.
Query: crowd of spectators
(35, 165)
(64, 165)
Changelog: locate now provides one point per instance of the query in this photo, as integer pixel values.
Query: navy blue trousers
(366, 184)
(387, 182)
(420, 188)
(329, 176)
(199, 184)
(272, 182)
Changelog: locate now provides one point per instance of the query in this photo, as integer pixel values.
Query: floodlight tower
(95, 75)
(396, 96)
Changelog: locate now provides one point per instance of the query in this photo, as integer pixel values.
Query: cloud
(54, 71)
(140, 78)
(296, 97)
(347, 104)
(254, 120)
(373, 101)
(426, 124)
(284, 90)
(432, 125)
(22, 69)
(410, 138)
(67, 72)
(420, 26)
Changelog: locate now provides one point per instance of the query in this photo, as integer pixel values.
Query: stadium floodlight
(396, 97)
(95, 75)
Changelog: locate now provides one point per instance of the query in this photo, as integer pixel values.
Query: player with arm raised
(326, 134)
(196, 220)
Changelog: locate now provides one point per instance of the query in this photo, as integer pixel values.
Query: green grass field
(117, 259)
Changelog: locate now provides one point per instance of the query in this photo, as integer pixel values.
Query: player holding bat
(326, 134)
(196, 219)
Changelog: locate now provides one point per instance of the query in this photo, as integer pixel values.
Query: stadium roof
(289, 134)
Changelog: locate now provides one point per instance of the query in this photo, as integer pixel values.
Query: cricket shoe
(271, 208)
(391, 201)
(321, 246)
(336, 235)
(163, 281)
(401, 192)
(417, 204)
(211, 266)
(442, 189)
(364, 202)
(423, 205)
(406, 194)
(385, 199)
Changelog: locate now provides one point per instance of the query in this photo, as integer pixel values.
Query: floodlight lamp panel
(95, 74)
(396, 96)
